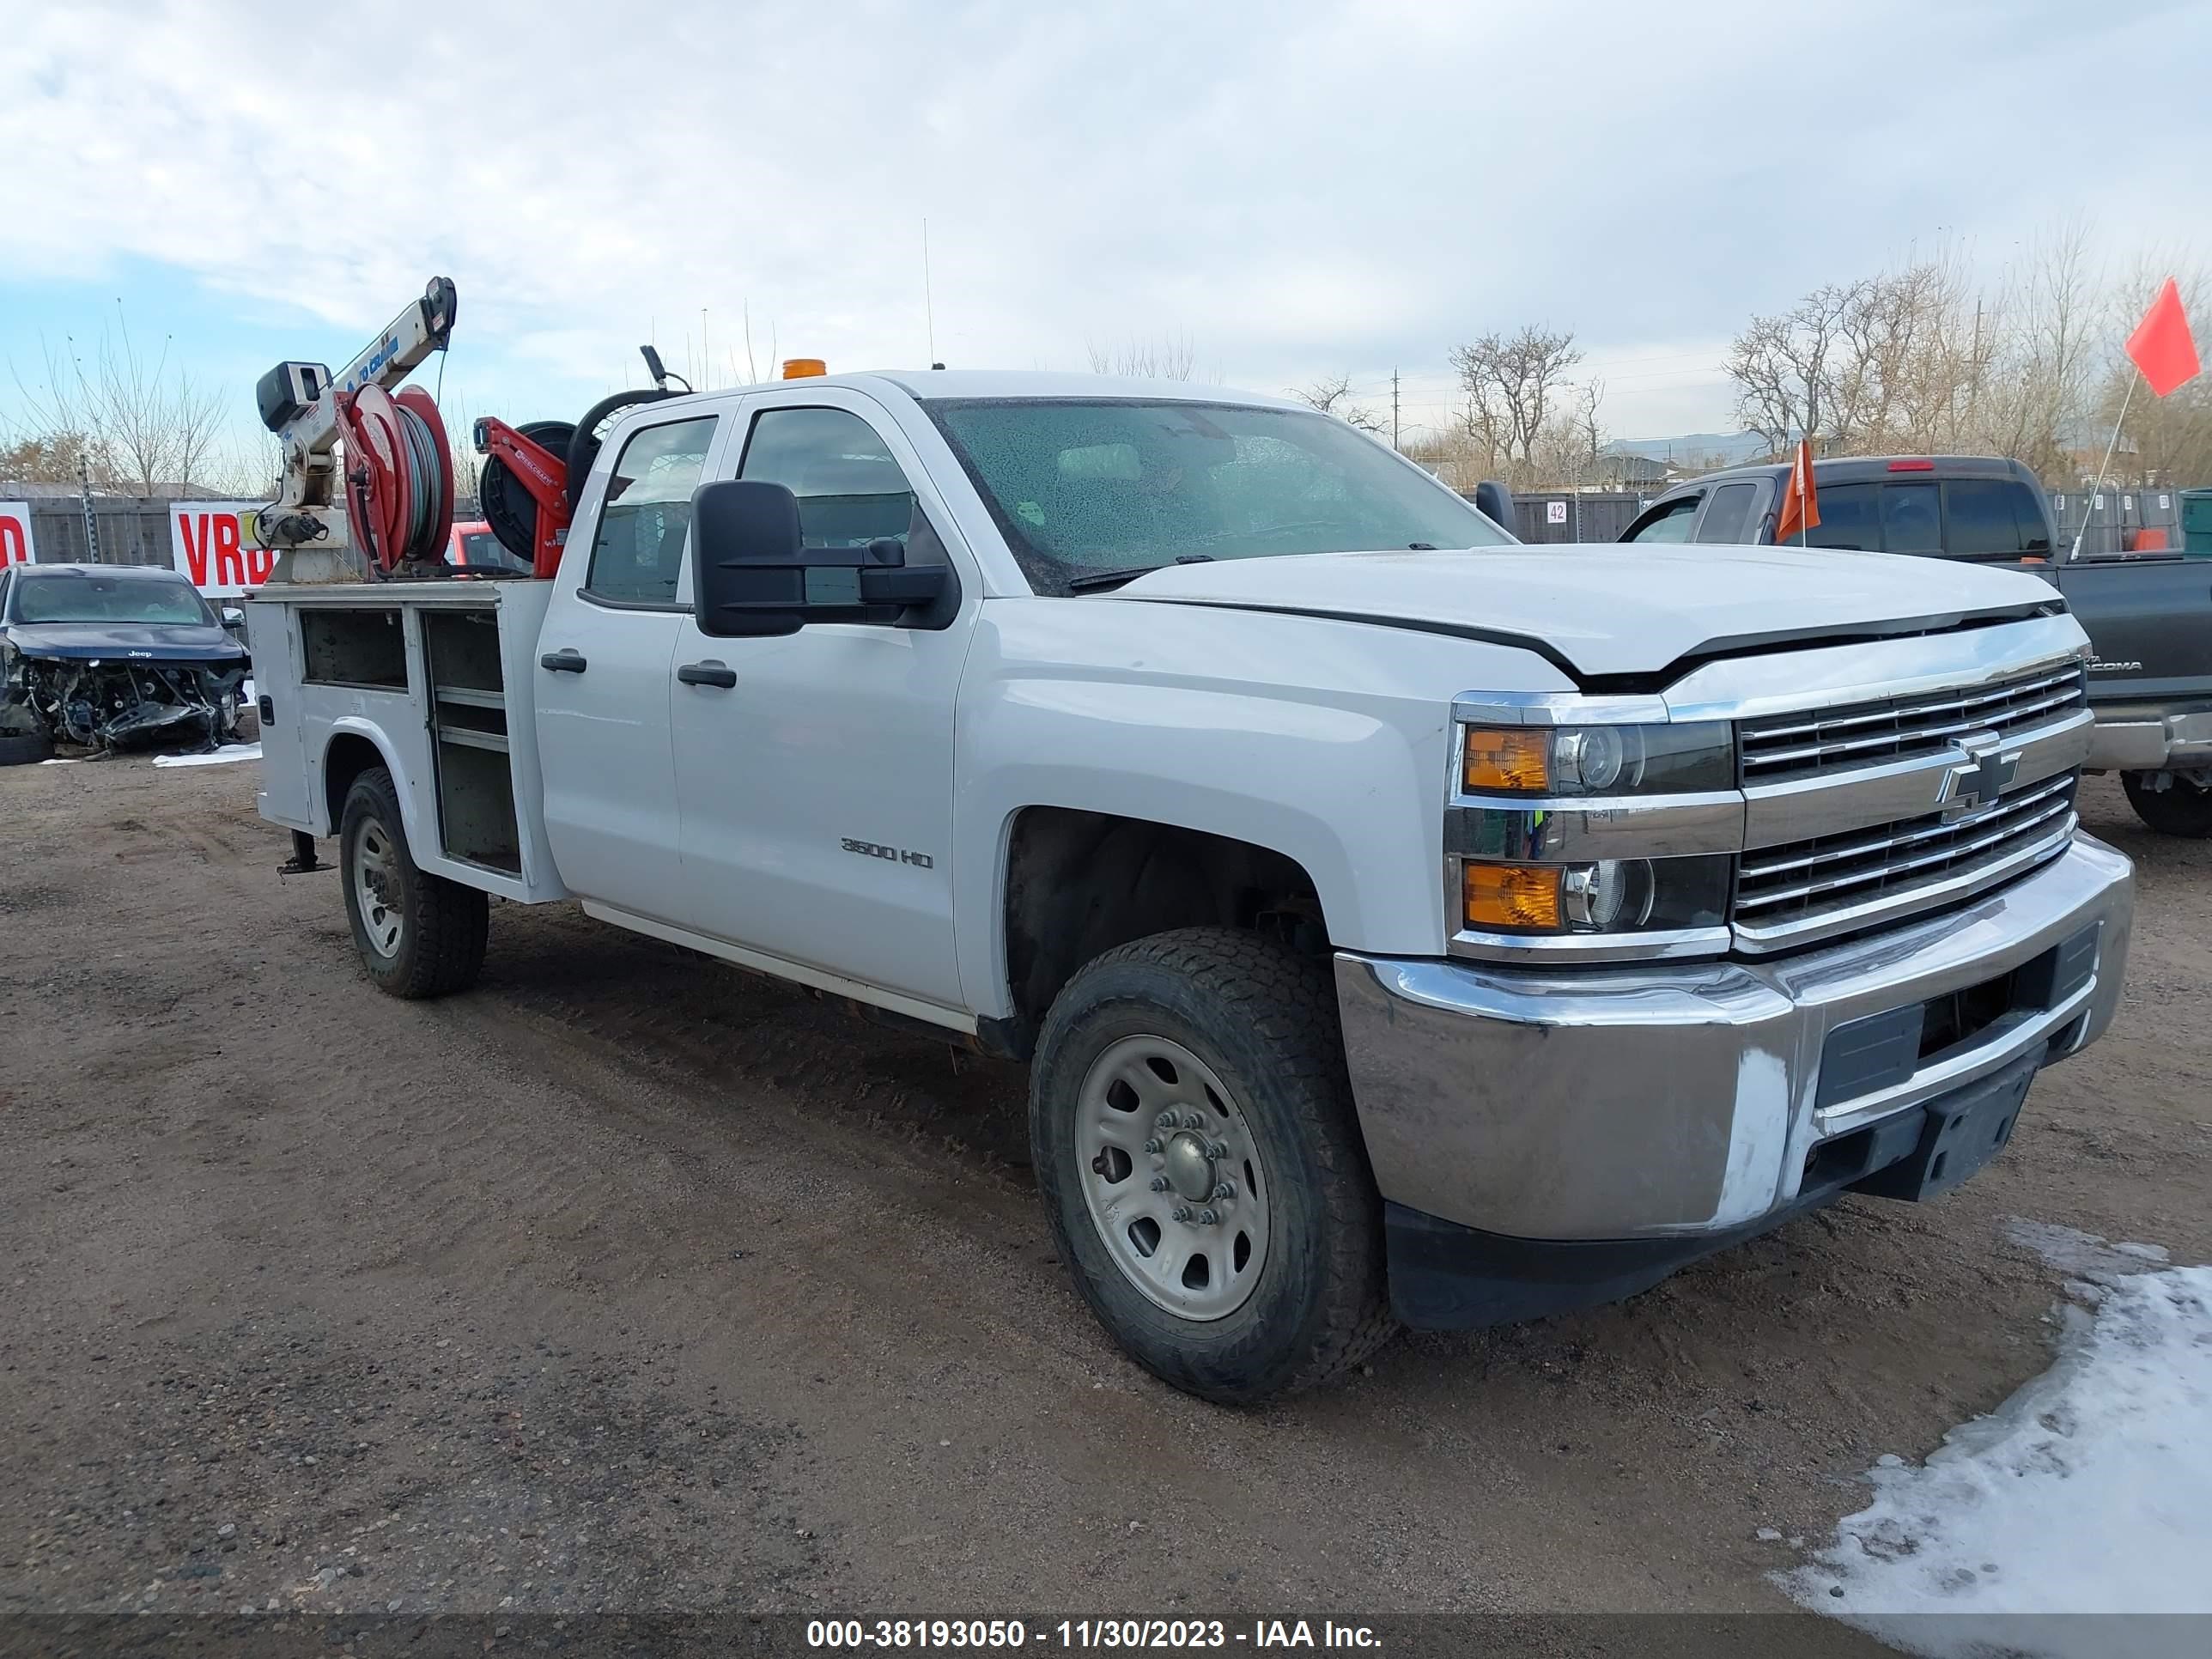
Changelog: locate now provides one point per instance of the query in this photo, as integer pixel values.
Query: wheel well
(349, 756)
(1081, 882)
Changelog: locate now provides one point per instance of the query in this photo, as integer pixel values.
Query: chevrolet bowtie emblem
(1979, 777)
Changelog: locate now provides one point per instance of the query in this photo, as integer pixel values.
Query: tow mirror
(753, 576)
(1495, 502)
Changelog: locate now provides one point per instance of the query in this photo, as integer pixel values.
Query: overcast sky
(1294, 189)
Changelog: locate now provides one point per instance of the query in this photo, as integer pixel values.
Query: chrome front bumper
(1679, 1099)
(2136, 739)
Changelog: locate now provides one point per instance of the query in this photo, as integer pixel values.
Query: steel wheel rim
(376, 888)
(1149, 1114)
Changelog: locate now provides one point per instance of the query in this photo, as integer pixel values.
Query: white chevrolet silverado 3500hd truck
(1403, 925)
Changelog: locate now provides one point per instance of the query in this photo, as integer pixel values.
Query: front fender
(1323, 741)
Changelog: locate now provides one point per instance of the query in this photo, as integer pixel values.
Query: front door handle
(562, 662)
(709, 673)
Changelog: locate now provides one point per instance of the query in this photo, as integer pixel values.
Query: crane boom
(307, 410)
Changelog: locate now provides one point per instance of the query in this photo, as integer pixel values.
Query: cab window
(1992, 518)
(1850, 518)
(1911, 522)
(639, 547)
(1672, 524)
(851, 491)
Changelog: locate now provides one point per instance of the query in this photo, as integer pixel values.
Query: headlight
(1603, 895)
(1597, 760)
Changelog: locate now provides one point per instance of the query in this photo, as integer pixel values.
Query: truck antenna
(928, 310)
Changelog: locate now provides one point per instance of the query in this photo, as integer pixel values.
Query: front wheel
(1196, 1149)
(419, 935)
(26, 748)
(2183, 808)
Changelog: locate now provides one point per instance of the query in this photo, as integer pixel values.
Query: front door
(814, 772)
(604, 676)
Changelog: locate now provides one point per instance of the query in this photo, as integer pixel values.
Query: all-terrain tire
(440, 947)
(2182, 808)
(25, 748)
(1264, 1019)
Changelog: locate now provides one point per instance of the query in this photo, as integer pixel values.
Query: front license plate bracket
(1959, 1134)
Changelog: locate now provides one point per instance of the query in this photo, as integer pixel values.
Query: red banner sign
(204, 544)
(15, 534)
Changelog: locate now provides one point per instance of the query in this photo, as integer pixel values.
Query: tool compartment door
(272, 636)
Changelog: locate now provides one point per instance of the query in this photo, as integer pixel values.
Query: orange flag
(1801, 501)
(2161, 345)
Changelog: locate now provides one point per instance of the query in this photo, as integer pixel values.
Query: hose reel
(529, 490)
(504, 493)
(400, 475)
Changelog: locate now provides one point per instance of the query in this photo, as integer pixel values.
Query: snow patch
(2088, 1491)
(222, 756)
(2085, 1256)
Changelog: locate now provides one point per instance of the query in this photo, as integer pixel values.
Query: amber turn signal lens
(1515, 759)
(1516, 895)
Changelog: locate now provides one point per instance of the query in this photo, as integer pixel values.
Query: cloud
(1296, 188)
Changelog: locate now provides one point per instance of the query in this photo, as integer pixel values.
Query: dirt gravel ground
(627, 1280)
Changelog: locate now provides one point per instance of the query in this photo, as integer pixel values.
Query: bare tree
(1589, 436)
(1173, 357)
(1332, 396)
(1924, 358)
(1510, 381)
(1781, 368)
(45, 457)
(138, 425)
(2046, 333)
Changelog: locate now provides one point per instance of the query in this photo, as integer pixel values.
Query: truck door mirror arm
(752, 576)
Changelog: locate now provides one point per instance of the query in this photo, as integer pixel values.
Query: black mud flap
(1958, 1134)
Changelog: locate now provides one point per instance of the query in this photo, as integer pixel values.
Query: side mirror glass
(752, 576)
(233, 616)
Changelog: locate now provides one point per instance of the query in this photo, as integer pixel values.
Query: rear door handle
(709, 673)
(562, 662)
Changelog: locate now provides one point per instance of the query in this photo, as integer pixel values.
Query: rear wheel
(2183, 807)
(1197, 1152)
(419, 935)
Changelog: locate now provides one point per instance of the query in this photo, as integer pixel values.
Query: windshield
(55, 597)
(1084, 489)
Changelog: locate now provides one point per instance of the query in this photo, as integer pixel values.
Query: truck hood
(1610, 609)
(126, 641)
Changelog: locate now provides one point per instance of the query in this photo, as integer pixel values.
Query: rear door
(1728, 518)
(606, 656)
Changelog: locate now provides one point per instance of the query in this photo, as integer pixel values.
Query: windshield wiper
(1104, 579)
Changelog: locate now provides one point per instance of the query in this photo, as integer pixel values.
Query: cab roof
(995, 384)
(1866, 469)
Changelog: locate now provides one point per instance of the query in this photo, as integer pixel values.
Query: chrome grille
(1807, 882)
(1780, 748)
